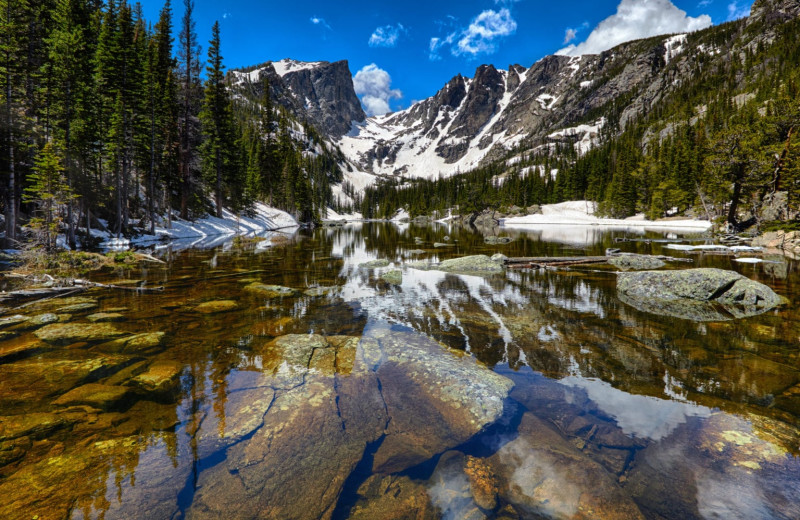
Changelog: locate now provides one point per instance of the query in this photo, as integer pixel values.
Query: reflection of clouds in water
(450, 492)
(721, 497)
(643, 416)
(535, 476)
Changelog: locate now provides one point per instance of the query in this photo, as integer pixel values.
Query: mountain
(318, 92)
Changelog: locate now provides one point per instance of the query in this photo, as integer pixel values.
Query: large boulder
(696, 294)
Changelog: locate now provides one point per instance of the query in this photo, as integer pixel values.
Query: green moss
(780, 225)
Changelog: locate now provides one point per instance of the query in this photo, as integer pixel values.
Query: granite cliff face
(320, 92)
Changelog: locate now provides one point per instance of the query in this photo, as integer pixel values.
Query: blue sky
(407, 50)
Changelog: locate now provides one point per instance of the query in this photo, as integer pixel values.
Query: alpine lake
(290, 382)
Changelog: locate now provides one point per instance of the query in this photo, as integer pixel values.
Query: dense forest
(719, 146)
(109, 123)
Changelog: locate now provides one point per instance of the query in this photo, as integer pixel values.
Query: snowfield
(265, 219)
(581, 212)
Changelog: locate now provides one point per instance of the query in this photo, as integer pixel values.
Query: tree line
(107, 122)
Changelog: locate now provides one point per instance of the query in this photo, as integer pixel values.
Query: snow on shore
(581, 212)
(265, 218)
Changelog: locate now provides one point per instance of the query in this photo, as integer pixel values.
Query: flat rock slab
(395, 277)
(636, 262)
(373, 264)
(101, 317)
(103, 397)
(66, 333)
(470, 264)
(216, 307)
(270, 291)
(143, 343)
(696, 294)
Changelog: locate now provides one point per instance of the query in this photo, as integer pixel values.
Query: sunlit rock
(470, 264)
(102, 397)
(373, 264)
(395, 277)
(162, 377)
(636, 262)
(216, 306)
(696, 294)
(144, 343)
(393, 497)
(270, 291)
(66, 333)
(105, 317)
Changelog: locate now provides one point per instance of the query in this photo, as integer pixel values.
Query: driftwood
(564, 261)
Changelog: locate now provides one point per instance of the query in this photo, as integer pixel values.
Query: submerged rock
(696, 294)
(442, 244)
(105, 317)
(10, 321)
(216, 307)
(316, 292)
(470, 264)
(395, 277)
(373, 264)
(317, 406)
(636, 262)
(162, 377)
(393, 497)
(493, 240)
(35, 425)
(103, 397)
(66, 333)
(270, 291)
(544, 476)
(144, 343)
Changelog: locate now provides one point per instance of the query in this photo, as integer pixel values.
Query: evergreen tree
(49, 192)
(189, 59)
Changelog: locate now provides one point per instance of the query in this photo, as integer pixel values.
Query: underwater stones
(162, 377)
(451, 491)
(66, 333)
(316, 292)
(312, 351)
(416, 252)
(470, 264)
(374, 264)
(636, 262)
(543, 475)
(35, 425)
(13, 350)
(270, 291)
(441, 244)
(10, 321)
(144, 343)
(102, 397)
(395, 277)
(393, 497)
(696, 294)
(216, 306)
(101, 317)
(78, 307)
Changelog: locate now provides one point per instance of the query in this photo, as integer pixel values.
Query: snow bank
(265, 219)
(581, 212)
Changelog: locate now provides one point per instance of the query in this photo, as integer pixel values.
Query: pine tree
(219, 145)
(189, 58)
(48, 191)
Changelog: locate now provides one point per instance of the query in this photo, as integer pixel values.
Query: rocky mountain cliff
(319, 92)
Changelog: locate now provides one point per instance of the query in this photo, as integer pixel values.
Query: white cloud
(386, 36)
(480, 36)
(705, 3)
(571, 33)
(735, 11)
(226, 15)
(637, 19)
(374, 85)
(320, 21)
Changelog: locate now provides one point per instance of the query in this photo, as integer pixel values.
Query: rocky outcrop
(788, 242)
(696, 294)
(320, 403)
(636, 262)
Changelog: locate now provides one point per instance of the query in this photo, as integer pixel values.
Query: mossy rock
(395, 277)
(270, 291)
(471, 264)
(316, 292)
(216, 306)
(96, 395)
(161, 378)
(374, 264)
(66, 333)
(636, 262)
(103, 317)
(144, 343)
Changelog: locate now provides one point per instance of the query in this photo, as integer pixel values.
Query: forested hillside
(114, 122)
(719, 144)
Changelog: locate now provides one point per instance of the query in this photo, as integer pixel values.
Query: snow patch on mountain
(674, 46)
(588, 135)
(287, 65)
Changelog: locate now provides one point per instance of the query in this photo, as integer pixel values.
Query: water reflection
(345, 396)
